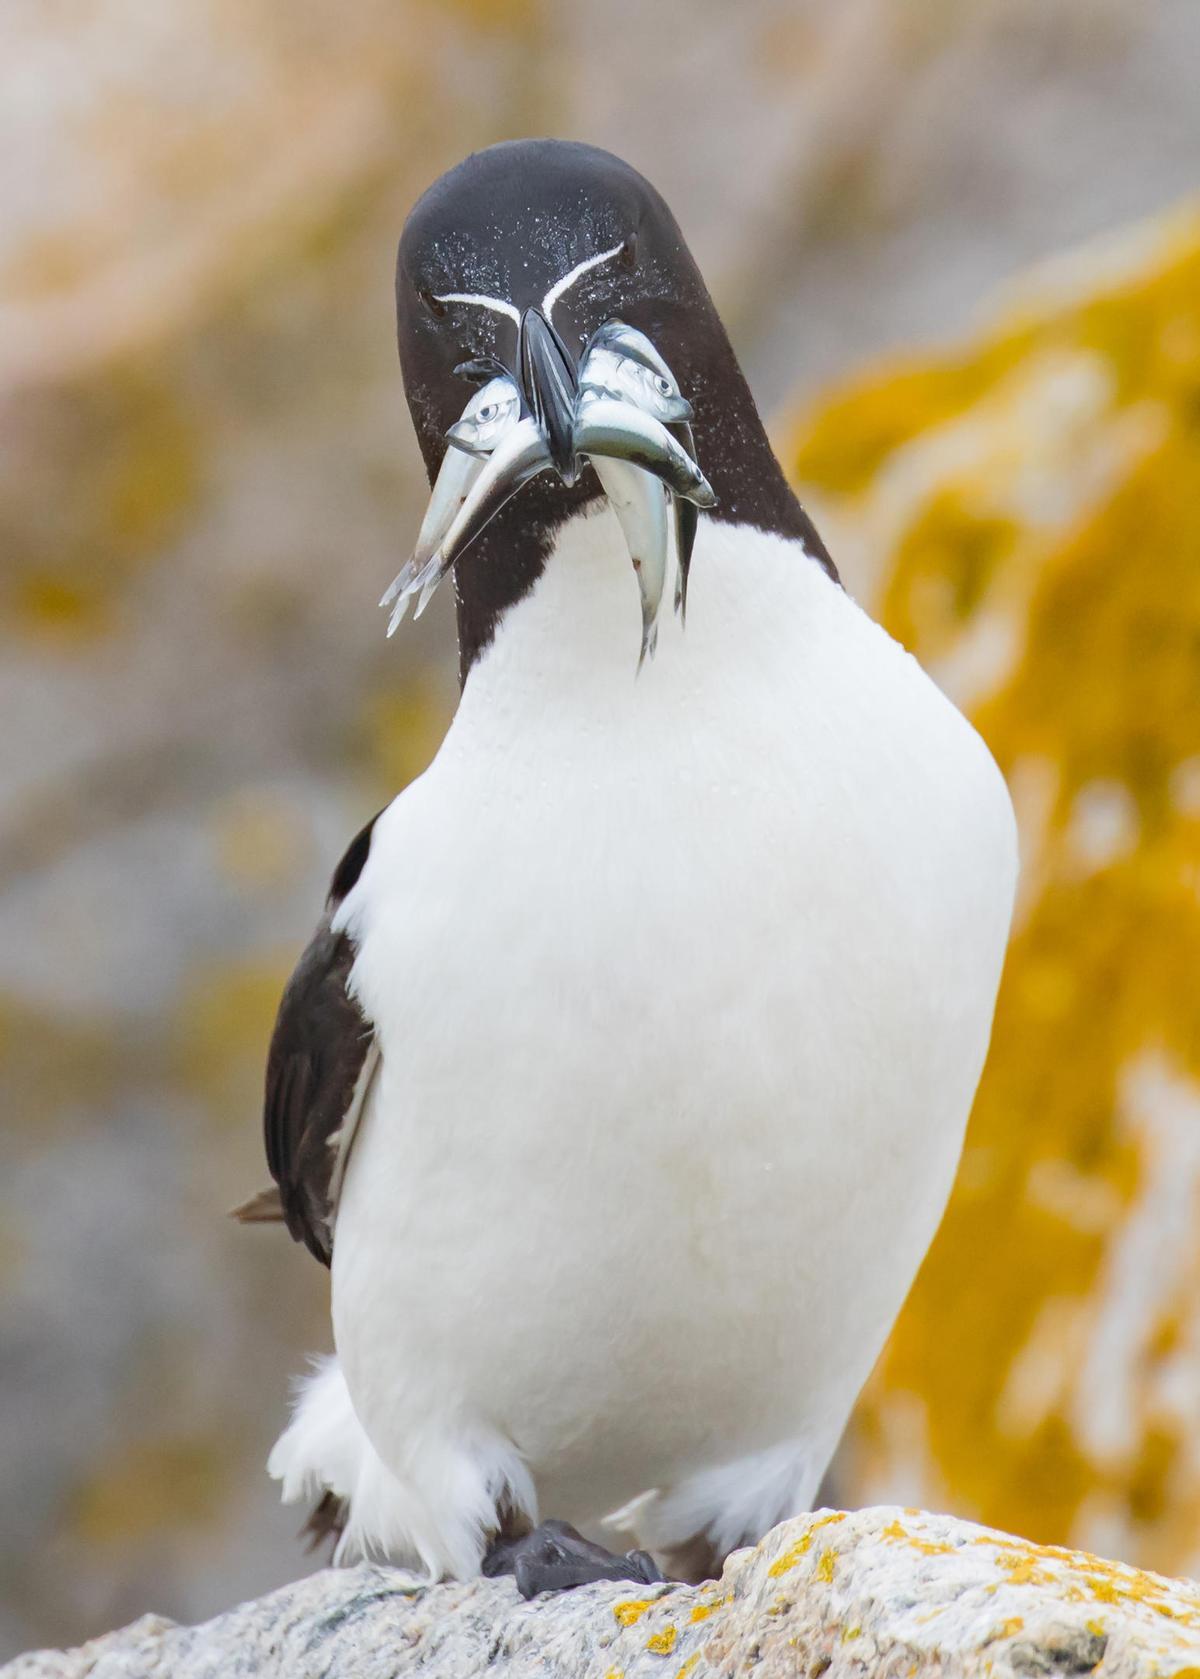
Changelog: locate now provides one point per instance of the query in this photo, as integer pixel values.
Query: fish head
(648, 385)
(487, 416)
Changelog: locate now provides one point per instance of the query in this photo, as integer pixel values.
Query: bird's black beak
(550, 385)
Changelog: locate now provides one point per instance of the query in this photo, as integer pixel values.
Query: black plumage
(318, 1054)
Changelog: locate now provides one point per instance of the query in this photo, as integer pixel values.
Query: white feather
(498, 305)
(431, 1520)
(563, 285)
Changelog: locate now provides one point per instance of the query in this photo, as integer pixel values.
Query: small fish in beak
(454, 482)
(486, 417)
(490, 412)
(519, 456)
(615, 355)
(606, 426)
(623, 411)
(640, 503)
(622, 362)
(609, 374)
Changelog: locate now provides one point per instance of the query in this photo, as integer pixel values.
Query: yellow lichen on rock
(630, 1611)
(1023, 514)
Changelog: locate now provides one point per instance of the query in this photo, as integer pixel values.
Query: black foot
(554, 1558)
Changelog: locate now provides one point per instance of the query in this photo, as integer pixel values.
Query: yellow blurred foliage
(1028, 503)
(402, 730)
(101, 478)
(48, 1065)
(148, 1486)
(224, 1025)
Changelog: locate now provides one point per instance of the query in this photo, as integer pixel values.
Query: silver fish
(614, 374)
(628, 341)
(520, 455)
(454, 481)
(619, 431)
(616, 339)
(640, 503)
(491, 410)
(486, 417)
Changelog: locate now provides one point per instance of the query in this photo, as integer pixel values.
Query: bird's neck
(503, 564)
(564, 657)
(590, 562)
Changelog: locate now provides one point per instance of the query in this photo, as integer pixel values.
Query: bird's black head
(510, 263)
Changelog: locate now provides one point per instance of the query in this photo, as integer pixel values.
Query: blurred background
(957, 249)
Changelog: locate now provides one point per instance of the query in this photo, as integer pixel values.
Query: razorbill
(624, 1080)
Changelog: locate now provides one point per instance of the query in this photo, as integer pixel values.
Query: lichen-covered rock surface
(882, 1592)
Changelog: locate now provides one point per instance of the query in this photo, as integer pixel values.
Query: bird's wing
(322, 1060)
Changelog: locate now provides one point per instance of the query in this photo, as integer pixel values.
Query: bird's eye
(433, 304)
(628, 256)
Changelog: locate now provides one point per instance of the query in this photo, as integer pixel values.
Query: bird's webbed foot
(555, 1558)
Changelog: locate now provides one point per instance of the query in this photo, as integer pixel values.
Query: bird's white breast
(683, 983)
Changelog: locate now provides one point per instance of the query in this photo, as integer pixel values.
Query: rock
(887, 1592)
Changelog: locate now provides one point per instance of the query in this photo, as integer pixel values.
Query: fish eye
(488, 411)
(661, 385)
(433, 305)
(628, 253)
